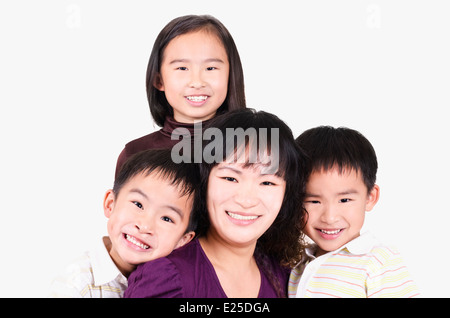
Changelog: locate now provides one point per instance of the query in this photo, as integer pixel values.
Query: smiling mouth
(242, 217)
(136, 242)
(197, 99)
(333, 232)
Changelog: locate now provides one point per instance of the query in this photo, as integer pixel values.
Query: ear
(108, 203)
(185, 239)
(372, 197)
(158, 82)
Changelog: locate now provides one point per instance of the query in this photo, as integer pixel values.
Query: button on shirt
(362, 268)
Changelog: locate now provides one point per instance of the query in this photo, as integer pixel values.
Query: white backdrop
(72, 78)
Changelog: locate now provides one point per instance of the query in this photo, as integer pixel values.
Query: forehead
(335, 179)
(198, 42)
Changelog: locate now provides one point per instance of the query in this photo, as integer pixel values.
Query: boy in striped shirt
(340, 189)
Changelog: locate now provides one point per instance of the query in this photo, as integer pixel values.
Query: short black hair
(185, 176)
(343, 148)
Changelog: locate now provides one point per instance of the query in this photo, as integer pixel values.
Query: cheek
(274, 200)
(217, 194)
(167, 243)
(310, 220)
(359, 217)
(220, 84)
(118, 220)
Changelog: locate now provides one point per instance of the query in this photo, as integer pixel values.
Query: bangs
(254, 149)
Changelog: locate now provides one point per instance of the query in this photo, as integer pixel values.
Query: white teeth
(242, 217)
(133, 240)
(330, 232)
(197, 98)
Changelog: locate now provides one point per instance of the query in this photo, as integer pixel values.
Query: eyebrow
(313, 195)
(210, 60)
(171, 207)
(139, 191)
(239, 172)
(230, 168)
(350, 191)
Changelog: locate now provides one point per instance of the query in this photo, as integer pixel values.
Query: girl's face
(242, 203)
(194, 75)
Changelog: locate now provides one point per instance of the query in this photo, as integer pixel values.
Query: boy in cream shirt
(150, 211)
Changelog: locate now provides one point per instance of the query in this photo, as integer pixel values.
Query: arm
(159, 278)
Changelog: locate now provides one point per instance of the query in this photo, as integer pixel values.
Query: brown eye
(167, 219)
(138, 204)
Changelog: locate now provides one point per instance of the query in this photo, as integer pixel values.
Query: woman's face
(242, 202)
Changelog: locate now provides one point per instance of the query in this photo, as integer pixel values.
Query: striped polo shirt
(362, 268)
(92, 275)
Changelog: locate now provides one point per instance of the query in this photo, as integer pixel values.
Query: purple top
(188, 273)
(157, 139)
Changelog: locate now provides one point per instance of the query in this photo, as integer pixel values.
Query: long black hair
(283, 240)
(159, 106)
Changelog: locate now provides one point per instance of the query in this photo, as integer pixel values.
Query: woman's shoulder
(157, 278)
(169, 276)
(275, 277)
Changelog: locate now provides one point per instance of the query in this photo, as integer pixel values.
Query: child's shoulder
(143, 142)
(375, 254)
(388, 274)
(71, 281)
(369, 250)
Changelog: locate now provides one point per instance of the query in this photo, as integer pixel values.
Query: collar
(103, 268)
(363, 244)
(170, 124)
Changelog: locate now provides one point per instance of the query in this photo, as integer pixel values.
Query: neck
(222, 253)
(235, 266)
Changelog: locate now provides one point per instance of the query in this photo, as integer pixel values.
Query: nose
(145, 224)
(196, 80)
(329, 215)
(247, 196)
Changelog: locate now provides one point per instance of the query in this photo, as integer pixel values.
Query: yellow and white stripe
(362, 268)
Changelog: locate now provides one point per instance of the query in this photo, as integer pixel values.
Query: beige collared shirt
(92, 275)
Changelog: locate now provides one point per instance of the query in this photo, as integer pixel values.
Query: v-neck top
(188, 273)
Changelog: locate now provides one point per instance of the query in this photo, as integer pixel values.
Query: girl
(194, 72)
(250, 234)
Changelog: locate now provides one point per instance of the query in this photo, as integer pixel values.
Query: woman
(249, 233)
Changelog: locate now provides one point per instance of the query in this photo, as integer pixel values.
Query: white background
(72, 93)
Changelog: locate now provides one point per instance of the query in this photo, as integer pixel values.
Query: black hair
(342, 147)
(159, 106)
(185, 176)
(282, 240)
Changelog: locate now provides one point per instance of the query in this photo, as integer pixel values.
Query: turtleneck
(170, 124)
